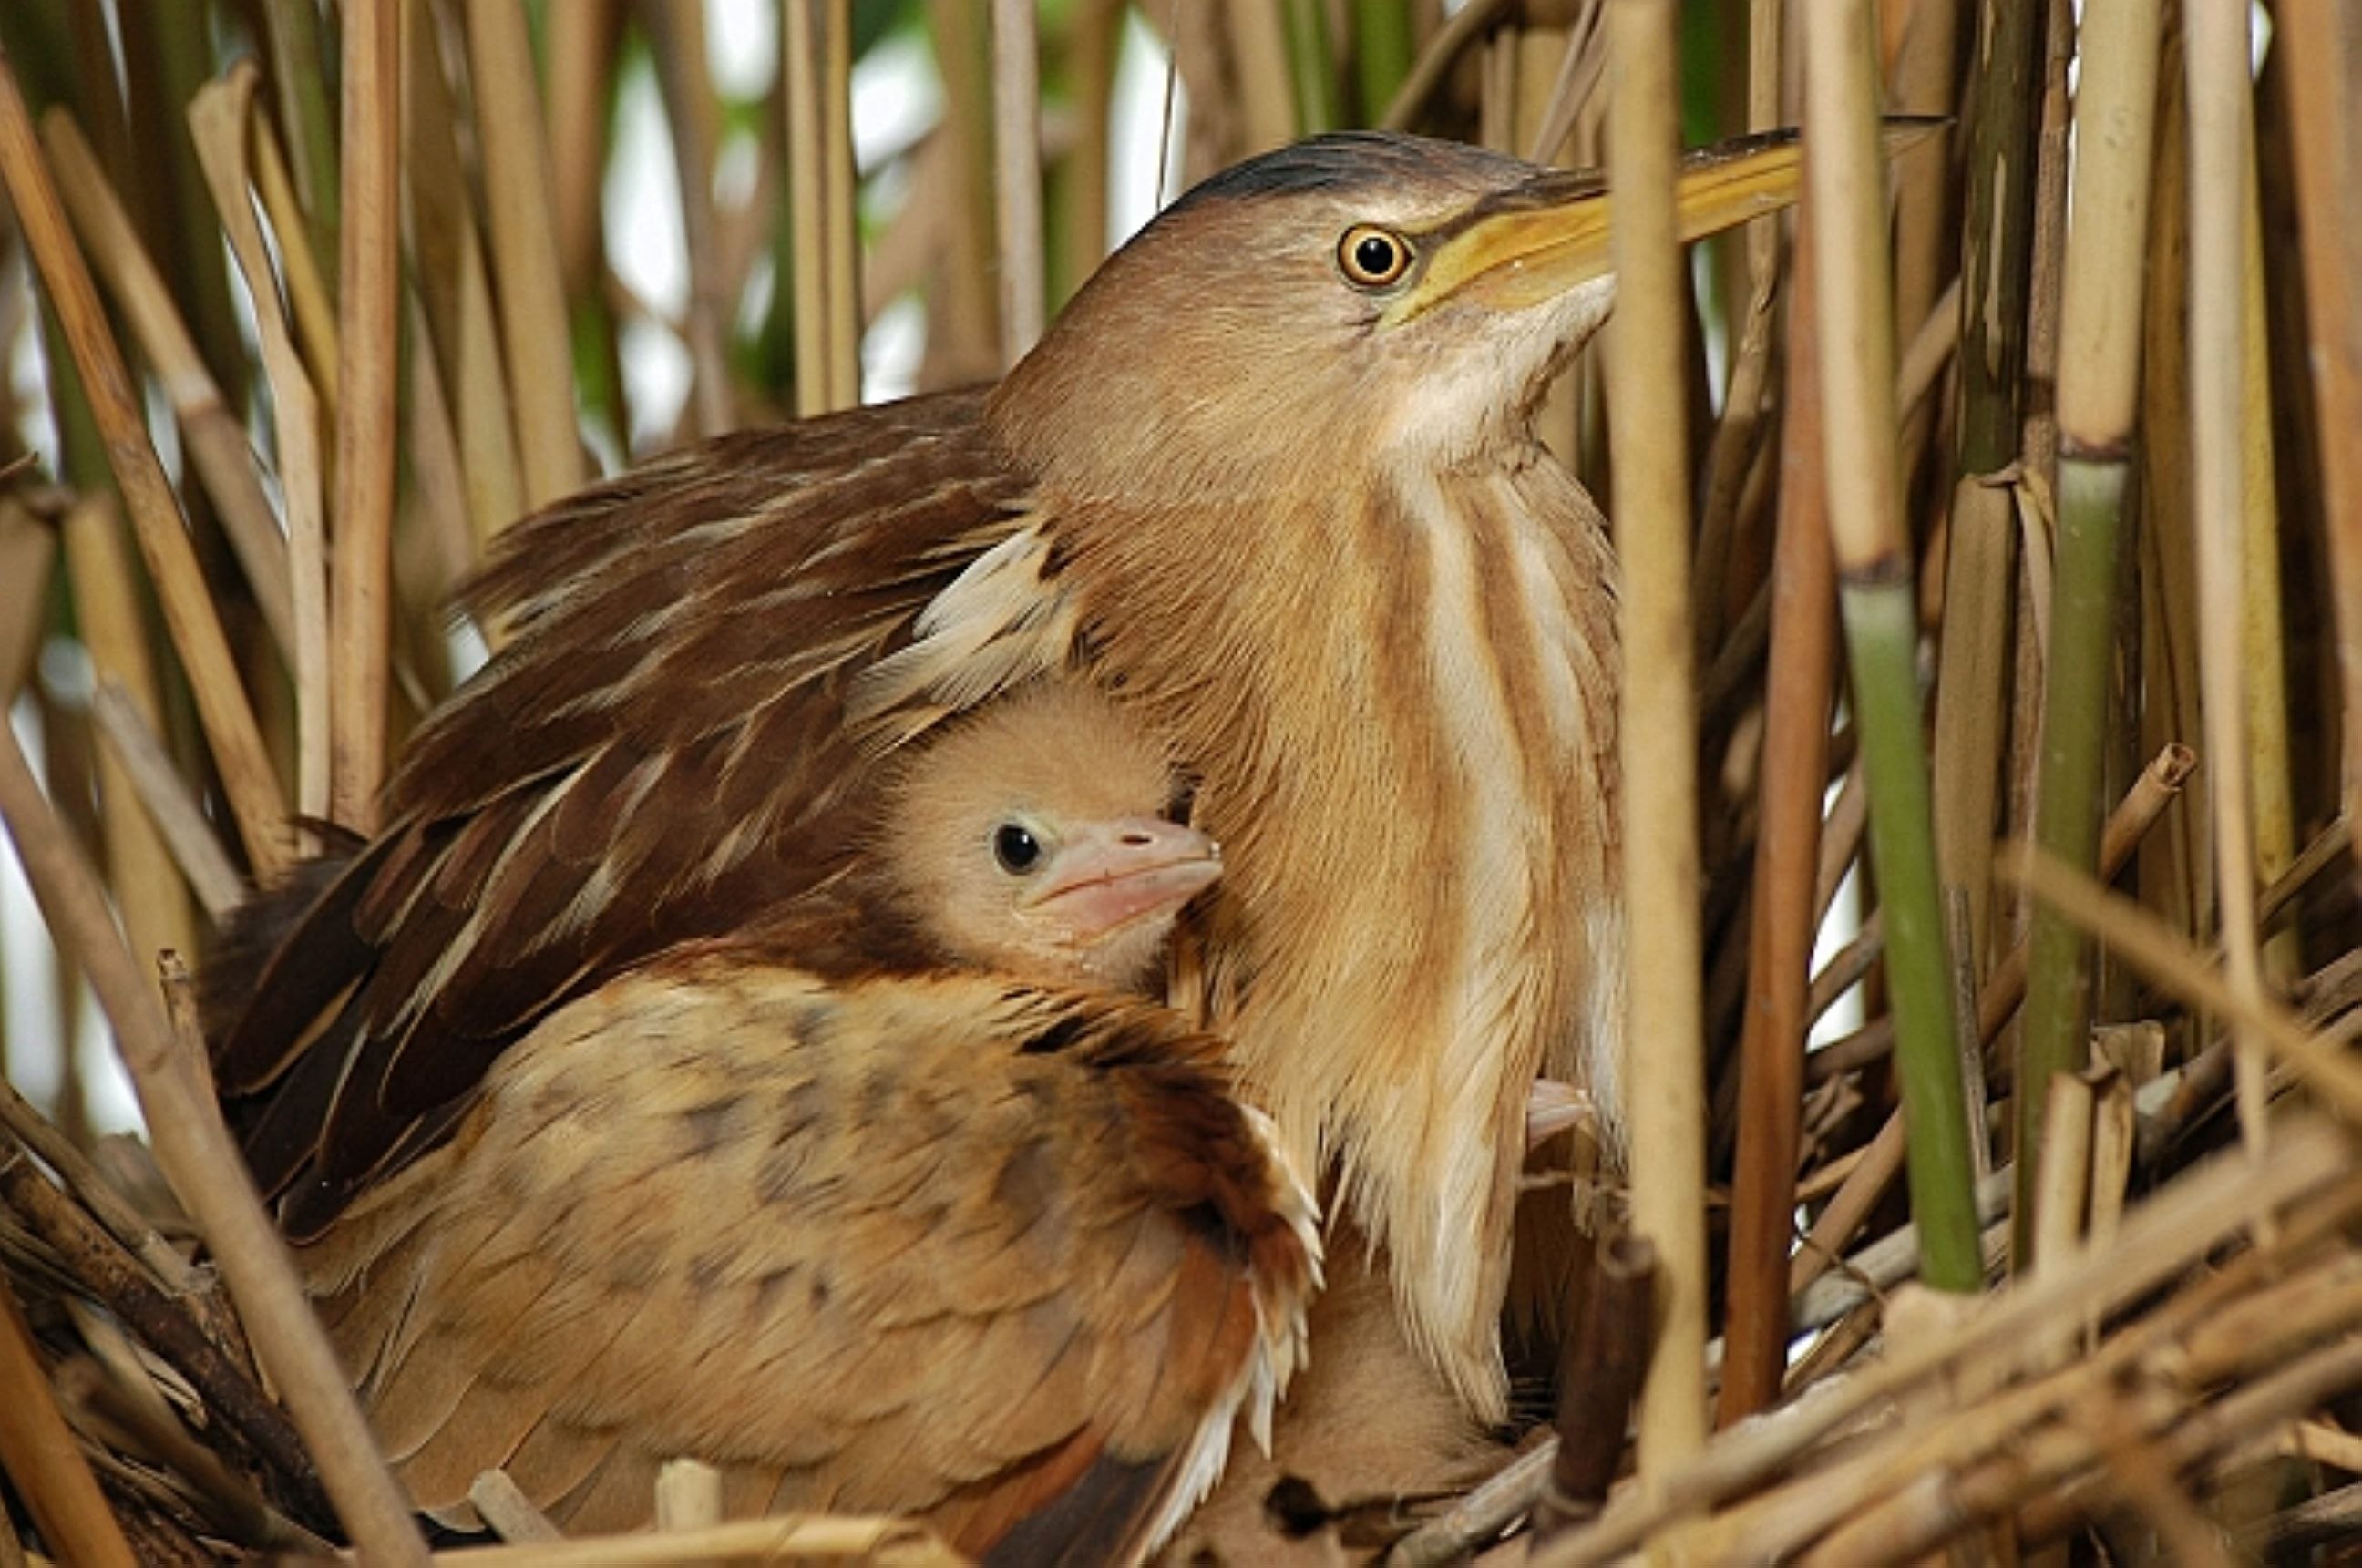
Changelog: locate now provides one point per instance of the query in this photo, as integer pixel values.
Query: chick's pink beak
(1111, 875)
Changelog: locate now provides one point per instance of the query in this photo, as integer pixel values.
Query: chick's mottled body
(947, 1243)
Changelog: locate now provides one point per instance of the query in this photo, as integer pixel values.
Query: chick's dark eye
(1016, 848)
(1372, 258)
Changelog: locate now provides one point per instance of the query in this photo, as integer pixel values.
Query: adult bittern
(1271, 482)
(947, 1243)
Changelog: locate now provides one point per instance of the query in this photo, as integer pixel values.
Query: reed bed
(1993, 538)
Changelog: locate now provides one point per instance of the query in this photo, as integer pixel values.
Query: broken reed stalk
(1659, 758)
(1802, 671)
(1845, 170)
(2099, 379)
(2324, 98)
(1980, 573)
(1607, 1349)
(168, 1066)
(369, 326)
(1016, 174)
(248, 775)
(38, 1452)
(2222, 166)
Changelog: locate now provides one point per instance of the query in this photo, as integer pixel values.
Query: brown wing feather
(661, 751)
(931, 1246)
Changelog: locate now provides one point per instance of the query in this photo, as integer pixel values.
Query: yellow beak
(1554, 235)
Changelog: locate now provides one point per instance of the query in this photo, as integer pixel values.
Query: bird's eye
(1372, 258)
(1016, 848)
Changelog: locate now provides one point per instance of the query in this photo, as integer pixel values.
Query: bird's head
(1033, 838)
(1355, 299)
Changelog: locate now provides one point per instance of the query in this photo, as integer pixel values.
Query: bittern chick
(952, 1244)
(1034, 839)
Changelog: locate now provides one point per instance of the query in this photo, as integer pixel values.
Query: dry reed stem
(196, 1153)
(217, 442)
(1825, 1243)
(890, 1543)
(688, 1497)
(2263, 626)
(247, 773)
(1016, 174)
(2264, 1405)
(1849, 814)
(2127, 828)
(1435, 62)
(1659, 759)
(2138, 1476)
(1846, 176)
(1846, 179)
(2062, 1177)
(1999, 1437)
(115, 633)
(28, 548)
(453, 291)
(579, 40)
(799, 99)
(218, 120)
(2182, 971)
(678, 36)
(40, 1456)
(178, 818)
(113, 1401)
(842, 232)
(2221, 167)
(525, 248)
(507, 1511)
(1259, 55)
(1607, 1349)
(1480, 1516)
(2115, 1136)
(1092, 41)
(2324, 78)
(96, 1194)
(1784, 918)
(308, 298)
(1582, 66)
(1930, 350)
(438, 495)
(169, 1319)
(2009, 1331)
(369, 321)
